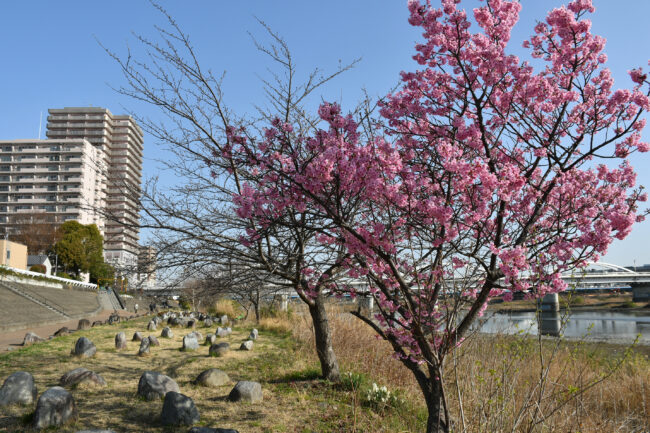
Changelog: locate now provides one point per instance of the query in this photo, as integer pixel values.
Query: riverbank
(583, 301)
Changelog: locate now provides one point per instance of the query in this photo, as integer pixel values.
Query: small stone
(212, 377)
(219, 349)
(31, 338)
(221, 332)
(84, 348)
(80, 376)
(253, 334)
(223, 320)
(97, 323)
(151, 326)
(55, 407)
(83, 324)
(62, 331)
(18, 388)
(167, 333)
(144, 347)
(137, 336)
(208, 323)
(179, 409)
(153, 385)
(120, 340)
(153, 341)
(246, 391)
(246, 345)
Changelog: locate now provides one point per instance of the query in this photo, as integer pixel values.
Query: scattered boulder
(190, 342)
(153, 341)
(31, 338)
(113, 318)
(223, 320)
(179, 409)
(246, 345)
(137, 336)
(151, 326)
(211, 430)
(144, 347)
(18, 388)
(81, 376)
(167, 333)
(191, 323)
(97, 323)
(253, 334)
(83, 324)
(210, 339)
(120, 340)
(221, 332)
(62, 331)
(246, 391)
(212, 377)
(208, 323)
(197, 334)
(55, 407)
(84, 348)
(219, 349)
(153, 385)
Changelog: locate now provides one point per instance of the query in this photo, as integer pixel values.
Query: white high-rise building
(121, 141)
(59, 179)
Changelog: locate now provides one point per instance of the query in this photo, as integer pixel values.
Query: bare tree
(194, 221)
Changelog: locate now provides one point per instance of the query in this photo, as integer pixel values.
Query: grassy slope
(294, 400)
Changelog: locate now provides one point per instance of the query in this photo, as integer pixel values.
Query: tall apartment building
(120, 141)
(60, 179)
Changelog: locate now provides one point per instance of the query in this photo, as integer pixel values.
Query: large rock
(190, 342)
(210, 339)
(62, 331)
(197, 334)
(167, 333)
(219, 349)
(153, 341)
(81, 376)
(222, 332)
(144, 347)
(18, 388)
(253, 334)
(191, 323)
(151, 326)
(179, 409)
(120, 340)
(137, 336)
(246, 345)
(31, 338)
(211, 430)
(155, 385)
(55, 407)
(207, 322)
(84, 348)
(246, 391)
(224, 320)
(83, 324)
(212, 377)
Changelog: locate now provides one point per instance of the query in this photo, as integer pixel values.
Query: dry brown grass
(226, 306)
(497, 378)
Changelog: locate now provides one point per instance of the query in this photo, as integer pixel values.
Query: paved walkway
(14, 339)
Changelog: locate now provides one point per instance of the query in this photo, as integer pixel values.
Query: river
(593, 325)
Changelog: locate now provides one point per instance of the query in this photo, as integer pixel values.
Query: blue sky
(51, 58)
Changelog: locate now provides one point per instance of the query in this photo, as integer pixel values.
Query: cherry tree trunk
(436, 421)
(323, 338)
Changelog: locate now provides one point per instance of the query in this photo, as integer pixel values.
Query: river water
(592, 325)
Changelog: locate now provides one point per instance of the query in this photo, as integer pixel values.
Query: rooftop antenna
(40, 123)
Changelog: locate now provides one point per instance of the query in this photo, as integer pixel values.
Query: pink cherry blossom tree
(485, 175)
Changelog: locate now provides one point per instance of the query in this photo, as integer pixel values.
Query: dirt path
(13, 339)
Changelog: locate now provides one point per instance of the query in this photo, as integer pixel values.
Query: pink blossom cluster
(480, 179)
